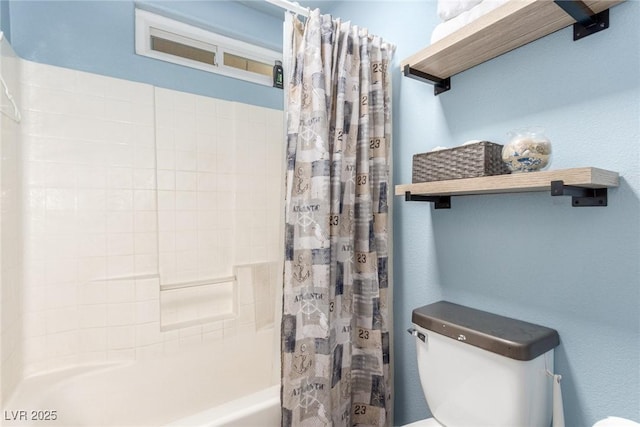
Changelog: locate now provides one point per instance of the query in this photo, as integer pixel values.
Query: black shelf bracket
(587, 22)
(580, 196)
(439, 202)
(439, 85)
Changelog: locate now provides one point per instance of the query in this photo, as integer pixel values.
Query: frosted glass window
(168, 40)
(247, 64)
(182, 50)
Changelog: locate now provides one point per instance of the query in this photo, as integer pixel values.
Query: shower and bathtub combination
(151, 249)
(141, 253)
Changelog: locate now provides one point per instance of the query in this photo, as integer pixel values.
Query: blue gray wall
(5, 22)
(528, 256)
(98, 37)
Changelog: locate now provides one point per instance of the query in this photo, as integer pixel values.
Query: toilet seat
(616, 422)
(428, 422)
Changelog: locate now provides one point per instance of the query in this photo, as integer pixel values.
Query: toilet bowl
(481, 369)
(429, 422)
(616, 422)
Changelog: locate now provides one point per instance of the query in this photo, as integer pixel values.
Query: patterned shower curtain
(335, 330)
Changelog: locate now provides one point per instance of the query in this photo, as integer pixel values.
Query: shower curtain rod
(290, 6)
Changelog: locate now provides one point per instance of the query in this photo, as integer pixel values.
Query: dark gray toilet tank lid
(507, 337)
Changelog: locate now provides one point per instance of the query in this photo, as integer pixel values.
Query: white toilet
(481, 369)
(616, 422)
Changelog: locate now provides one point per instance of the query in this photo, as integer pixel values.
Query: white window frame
(183, 33)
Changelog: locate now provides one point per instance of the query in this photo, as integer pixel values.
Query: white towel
(449, 9)
(445, 28)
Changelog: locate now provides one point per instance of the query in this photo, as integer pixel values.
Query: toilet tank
(481, 369)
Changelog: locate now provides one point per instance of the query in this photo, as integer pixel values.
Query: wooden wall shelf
(574, 182)
(503, 29)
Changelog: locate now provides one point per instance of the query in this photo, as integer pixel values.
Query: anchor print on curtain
(335, 336)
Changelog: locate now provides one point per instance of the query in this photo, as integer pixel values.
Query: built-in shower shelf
(172, 326)
(587, 186)
(198, 302)
(197, 283)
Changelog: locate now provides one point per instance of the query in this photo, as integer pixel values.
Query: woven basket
(466, 161)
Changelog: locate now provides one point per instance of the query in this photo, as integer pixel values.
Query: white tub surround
(128, 187)
(11, 219)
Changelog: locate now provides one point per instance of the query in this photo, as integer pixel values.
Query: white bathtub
(260, 409)
(226, 383)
